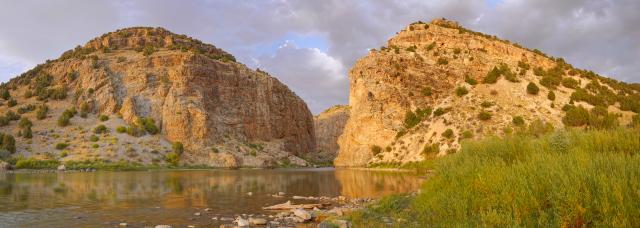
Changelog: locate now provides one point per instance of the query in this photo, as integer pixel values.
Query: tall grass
(567, 178)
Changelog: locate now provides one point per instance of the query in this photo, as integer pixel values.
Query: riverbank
(567, 178)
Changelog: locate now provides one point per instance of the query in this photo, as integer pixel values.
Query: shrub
(26, 108)
(26, 132)
(518, 121)
(426, 91)
(121, 129)
(148, 50)
(486, 104)
(135, 131)
(411, 119)
(32, 163)
(635, 121)
(461, 91)
(430, 151)
(41, 111)
(10, 115)
(84, 110)
(148, 124)
(95, 145)
(63, 120)
(178, 148)
(100, 129)
(576, 116)
(215, 150)
(4, 121)
(470, 80)
(24, 122)
(411, 48)
(467, 134)
(532, 88)
(551, 95)
(431, 46)
(7, 142)
(5, 94)
(375, 150)
(441, 111)
(61, 146)
(28, 94)
(94, 138)
(12, 102)
(103, 118)
(492, 76)
(172, 158)
(456, 51)
(448, 133)
(484, 115)
(443, 61)
(570, 83)
(64, 154)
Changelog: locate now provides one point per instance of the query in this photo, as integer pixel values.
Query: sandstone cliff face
(328, 126)
(224, 113)
(426, 91)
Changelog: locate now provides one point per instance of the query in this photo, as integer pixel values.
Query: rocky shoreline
(324, 213)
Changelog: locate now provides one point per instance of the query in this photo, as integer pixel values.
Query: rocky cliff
(223, 113)
(328, 126)
(437, 84)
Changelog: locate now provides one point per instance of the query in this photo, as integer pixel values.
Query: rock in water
(300, 213)
(62, 168)
(4, 166)
(242, 222)
(257, 221)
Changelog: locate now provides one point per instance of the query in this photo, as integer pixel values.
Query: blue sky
(310, 45)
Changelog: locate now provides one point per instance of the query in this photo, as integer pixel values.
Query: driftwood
(289, 206)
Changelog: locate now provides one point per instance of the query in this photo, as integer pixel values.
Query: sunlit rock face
(424, 92)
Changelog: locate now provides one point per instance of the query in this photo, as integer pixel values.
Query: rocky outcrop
(221, 111)
(436, 84)
(328, 126)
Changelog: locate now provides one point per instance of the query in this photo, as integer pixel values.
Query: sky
(310, 45)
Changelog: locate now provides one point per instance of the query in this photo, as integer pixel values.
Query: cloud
(316, 77)
(591, 34)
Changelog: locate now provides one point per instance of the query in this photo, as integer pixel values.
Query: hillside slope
(159, 88)
(438, 83)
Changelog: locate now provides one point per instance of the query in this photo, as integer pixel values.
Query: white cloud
(315, 76)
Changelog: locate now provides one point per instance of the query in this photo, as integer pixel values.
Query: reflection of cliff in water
(223, 190)
(370, 183)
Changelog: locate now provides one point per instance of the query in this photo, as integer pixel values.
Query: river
(173, 197)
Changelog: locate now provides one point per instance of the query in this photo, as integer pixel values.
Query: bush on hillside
(461, 91)
(532, 88)
(178, 148)
(484, 115)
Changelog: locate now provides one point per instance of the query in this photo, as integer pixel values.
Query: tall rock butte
(437, 84)
(224, 113)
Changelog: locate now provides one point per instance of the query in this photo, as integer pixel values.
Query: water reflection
(105, 198)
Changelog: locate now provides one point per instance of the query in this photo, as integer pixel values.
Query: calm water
(105, 199)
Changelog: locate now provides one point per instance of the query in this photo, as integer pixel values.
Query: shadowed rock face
(328, 126)
(422, 68)
(196, 93)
